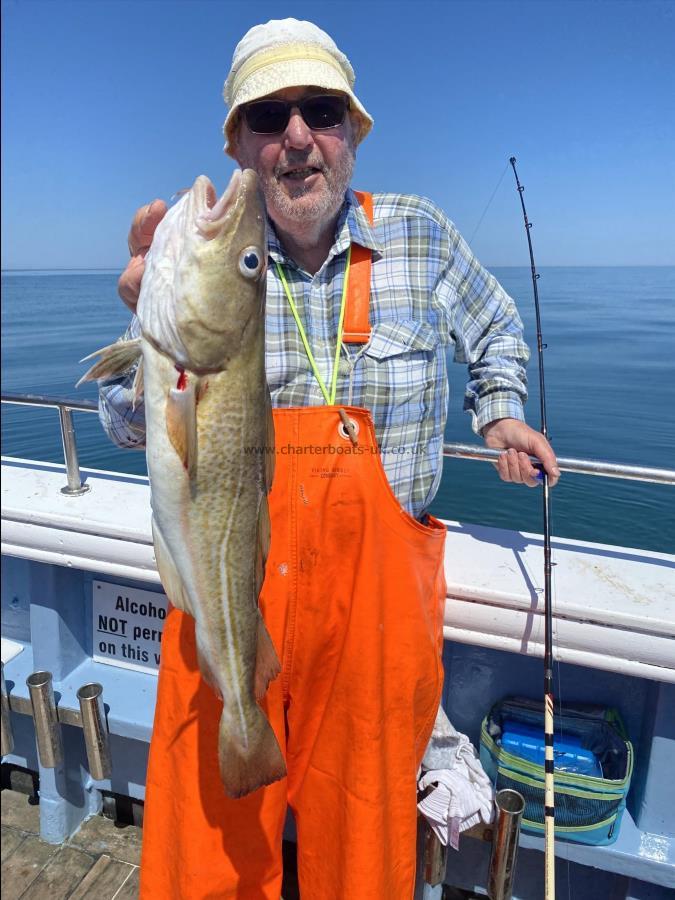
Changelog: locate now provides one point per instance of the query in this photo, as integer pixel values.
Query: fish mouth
(212, 212)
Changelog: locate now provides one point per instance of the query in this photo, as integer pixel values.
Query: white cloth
(463, 795)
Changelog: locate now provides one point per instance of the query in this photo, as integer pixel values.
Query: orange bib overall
(353, 600)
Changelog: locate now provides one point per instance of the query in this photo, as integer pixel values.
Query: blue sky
(109, 103)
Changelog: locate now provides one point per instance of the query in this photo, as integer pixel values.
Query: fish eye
(250, 262)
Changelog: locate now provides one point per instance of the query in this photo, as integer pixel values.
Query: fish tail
(246, 765)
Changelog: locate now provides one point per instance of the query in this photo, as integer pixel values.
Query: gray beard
(321, 207)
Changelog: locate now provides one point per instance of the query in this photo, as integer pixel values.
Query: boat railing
(570, 464)
(75, 486)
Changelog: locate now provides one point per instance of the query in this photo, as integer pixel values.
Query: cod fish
(202, 352)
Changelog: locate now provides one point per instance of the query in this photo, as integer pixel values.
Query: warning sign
(127, 626)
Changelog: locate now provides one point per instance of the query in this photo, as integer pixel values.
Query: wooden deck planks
(20, 811)
(100, 835)
(11, 838)
(129, 890)
(105, 880)
(24, 865)
(100, 862)
(57, 880)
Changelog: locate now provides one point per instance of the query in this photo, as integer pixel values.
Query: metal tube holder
(95, 730)
(7, 736)
(435, 857)
(510, 806)
(47, 728)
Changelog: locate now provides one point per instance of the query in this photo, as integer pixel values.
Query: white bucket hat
(286, 53)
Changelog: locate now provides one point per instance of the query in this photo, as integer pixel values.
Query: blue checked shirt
(428, 293)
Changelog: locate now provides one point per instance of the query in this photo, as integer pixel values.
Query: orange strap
(356, 324)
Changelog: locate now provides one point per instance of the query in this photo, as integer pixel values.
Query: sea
(610, 394)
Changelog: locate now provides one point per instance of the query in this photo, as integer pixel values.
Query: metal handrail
(75, 486)
(570, 464)
(457, 451)
(37, 400)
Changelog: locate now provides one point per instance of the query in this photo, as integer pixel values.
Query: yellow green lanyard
(329, 398)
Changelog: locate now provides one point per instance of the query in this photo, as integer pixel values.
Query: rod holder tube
(510, 806)
(95, 730)
(7, 736)
(75, 485)
(47, 728)
(435, 857)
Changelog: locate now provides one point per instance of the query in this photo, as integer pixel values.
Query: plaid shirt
(428, 292)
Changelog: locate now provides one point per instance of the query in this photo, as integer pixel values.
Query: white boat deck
(614, 607)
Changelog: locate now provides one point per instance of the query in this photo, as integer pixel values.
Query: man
(354, 588)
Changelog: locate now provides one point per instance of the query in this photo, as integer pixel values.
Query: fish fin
(267, 665)
(116, 359)
(181, 424)
(137, 386)
(248, 762)
(171, 580)
(269, 448)
(263, 543)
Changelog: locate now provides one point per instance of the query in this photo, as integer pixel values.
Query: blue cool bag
(593, 764)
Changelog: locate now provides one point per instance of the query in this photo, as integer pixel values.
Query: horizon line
(487, 266)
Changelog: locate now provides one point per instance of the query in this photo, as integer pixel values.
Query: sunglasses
(320, 111)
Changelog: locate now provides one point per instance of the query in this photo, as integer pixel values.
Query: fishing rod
(549, 795)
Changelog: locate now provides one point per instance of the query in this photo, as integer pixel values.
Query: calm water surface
(610, 383)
